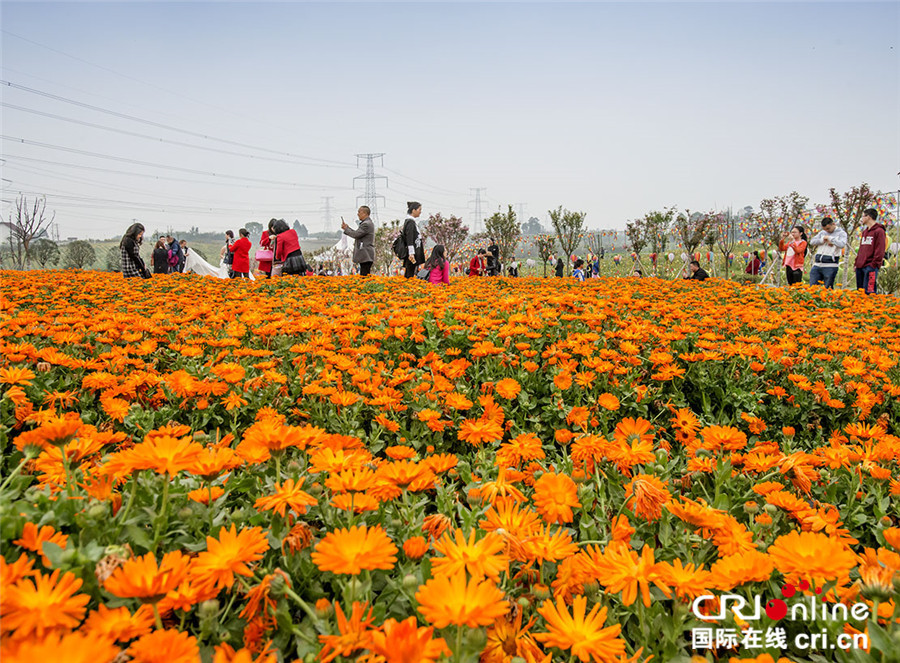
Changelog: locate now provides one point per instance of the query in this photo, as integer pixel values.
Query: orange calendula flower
(354, 550)
(482, 558)
(554, 497)
(118, 623)
(14, 375)
(229, 555)
(507, 388)
(407, 641)
(165, 454)
(479, 431)
(206, 495)
(355, 633)
(141, 578)
(646, 496)
(608, 402)
(287, 495)
(33, 539)
(166, 646)
(813, 556)
(69, 647)
(43, 604)
(415, 547)
(446, 600)
(584, 634)
(10, 574)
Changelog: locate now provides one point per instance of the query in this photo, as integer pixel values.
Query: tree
(636, 234)
(726, 227)
(847, 209)
(385, 235)
(45, 252)
(255, 228)
(29, 223)
(113, 259)
(532, 227)
(775, 217)
(691, 229)
(449, 231)
(505, 231)
(300, 229)
(710, 239)
(568, 227)
(657, 228)
(546, 246)
(79, 254)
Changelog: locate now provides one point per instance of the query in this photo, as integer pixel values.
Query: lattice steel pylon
(370, 198)
(478, 221)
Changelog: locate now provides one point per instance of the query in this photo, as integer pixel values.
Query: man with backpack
(176, 255)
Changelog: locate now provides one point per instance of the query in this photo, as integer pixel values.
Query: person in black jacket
(697, 272)
(413, 240)
(130, 250)
(560, 267)
(159, 259)
(493, 258)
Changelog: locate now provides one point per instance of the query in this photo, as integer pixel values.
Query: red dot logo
(788, 591)
(804, 585)
(776, 609)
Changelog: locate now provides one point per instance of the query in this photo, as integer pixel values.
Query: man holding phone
(364, 236)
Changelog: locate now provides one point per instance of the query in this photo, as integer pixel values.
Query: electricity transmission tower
(478, 220)
(326, 211)
(520, 209)
(370, 198)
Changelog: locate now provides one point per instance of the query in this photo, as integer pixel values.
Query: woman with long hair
(412, 239)
(159, 259)
(794, 246)
(130, 250)
(437, 267)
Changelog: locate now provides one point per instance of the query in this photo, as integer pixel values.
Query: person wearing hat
(828, 244)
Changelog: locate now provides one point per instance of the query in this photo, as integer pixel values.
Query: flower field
(501, 470)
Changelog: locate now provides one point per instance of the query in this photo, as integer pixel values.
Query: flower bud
(209, 609)
(324, 609)
(185, 513)
(410, 581)
(771, 509)
(277, 586)
(541, 591)
(752, 507)
(96, 511)
(523, 602)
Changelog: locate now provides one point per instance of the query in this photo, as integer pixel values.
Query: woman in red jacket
(240, 266)
(265, 242)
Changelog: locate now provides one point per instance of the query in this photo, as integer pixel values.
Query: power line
(81, 104)
(425, 184)
(148, 137)
(192, 171)
(370, 197)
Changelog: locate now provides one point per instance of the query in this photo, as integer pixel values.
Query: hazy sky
(613, 109)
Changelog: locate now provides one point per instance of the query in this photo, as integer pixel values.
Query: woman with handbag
(288, 256)
(265, 255)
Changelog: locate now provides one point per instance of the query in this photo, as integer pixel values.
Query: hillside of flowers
(374, 470)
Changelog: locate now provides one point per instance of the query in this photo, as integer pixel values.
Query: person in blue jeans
(871, 253)
(828, 244)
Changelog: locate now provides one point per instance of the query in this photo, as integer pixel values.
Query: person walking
(794, 246)
(829, 243)
(240, 249)
(493, 258)
(437, 266)
(412, 239)
(130, 250)
(870, 256)
(177, 256)
(159, 259)
(560, 267)
(363, 240)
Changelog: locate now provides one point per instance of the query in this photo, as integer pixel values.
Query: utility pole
(326, 211)
(478, 221)
(370, 198)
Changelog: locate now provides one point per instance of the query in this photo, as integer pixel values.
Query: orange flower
(229, 556)
(141, 578)
(646, 496)
(446, 600)
(230, 372)
(727, 438)
(622, 570)
(16, 375)
(166, 646)
(355, 633)
(608, 401)
(118, 623)
(812, 555)
(406, 641)
(354, 550)
(10, 574)
(554, 496)
(165, 454)
(33, 539)
(479, 431)
(415, 547)
(563, 380)
(484, 558)
(584, 635)
(892, 537)
(287, 495)
(206, 495)
(43, 604)
(507, 388)
(69, 647)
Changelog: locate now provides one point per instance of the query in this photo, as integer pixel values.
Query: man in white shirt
(828, 244)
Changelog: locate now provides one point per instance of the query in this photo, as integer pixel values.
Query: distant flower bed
(499, 470)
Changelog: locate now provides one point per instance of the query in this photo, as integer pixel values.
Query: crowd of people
(280, 254)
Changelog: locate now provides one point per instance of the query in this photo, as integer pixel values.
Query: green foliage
(569, 227)
(546, 247)
(507, 233)
(385, 235)
(447, 231)
(44, 252)
(113, 259)
(889, 279)
(79, 254)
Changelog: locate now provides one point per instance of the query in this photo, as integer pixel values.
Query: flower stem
(303, 605)
(458, 642)
(14, 473)
(159, 624)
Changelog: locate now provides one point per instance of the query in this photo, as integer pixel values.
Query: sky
(214, 114)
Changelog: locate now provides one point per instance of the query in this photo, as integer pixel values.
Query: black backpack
(399, 247)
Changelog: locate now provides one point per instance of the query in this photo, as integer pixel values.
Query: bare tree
(29, 223)
(546, 245)
(568, 226)
(726, 225)
(447, 231)
(691, 229)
